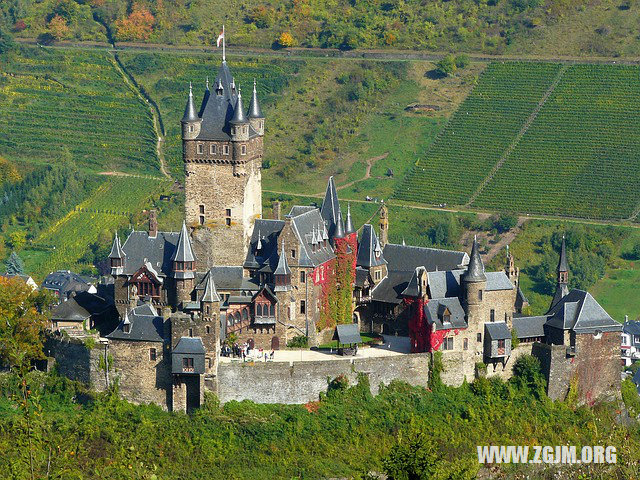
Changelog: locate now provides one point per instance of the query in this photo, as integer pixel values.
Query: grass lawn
(334, 344)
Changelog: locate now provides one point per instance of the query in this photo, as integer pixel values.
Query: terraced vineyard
(56, 103)
(111, 206)
(578, 156)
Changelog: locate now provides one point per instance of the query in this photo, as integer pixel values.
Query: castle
(229, 271)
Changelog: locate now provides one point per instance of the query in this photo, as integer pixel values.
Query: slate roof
(183, 251)
(631, 328)
(254, 106)
(145, 326)
(406, 258)
(238, 111)
(475, 269)
(267, 231)
(70, 311)
(218, 109)
(434, 310)
(348, 333)
(444, 284)
(65, 281)
(210, 294)
(330, 207)
(190, 114)
(158, 251)
(303, 226)
(348, 227)
(300, 209)
(413, 287)
(497, 331)
(528, 327)
(116, 248)
(498, 281)
(580, 312)
(366, 248)
(227, 279)
(563, 265)
(361, 276)
(283, 266)
(390, 289)
(189, 346)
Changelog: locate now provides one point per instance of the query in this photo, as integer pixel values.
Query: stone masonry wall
(75, 360)
(300, 382)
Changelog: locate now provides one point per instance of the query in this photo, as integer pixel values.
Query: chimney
(277, 209)
(153, 223)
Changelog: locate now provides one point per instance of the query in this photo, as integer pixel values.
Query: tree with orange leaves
(58, 27)
(137, 26)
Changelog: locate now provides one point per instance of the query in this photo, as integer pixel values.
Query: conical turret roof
(116, 249)
(339, 231)
(210, 294)
(283, 265)
(183, 252)
(349, 225)
(254, 106)
(190, 114)
(563, 265)
(475, 269)
(205, 98)
(238, 113)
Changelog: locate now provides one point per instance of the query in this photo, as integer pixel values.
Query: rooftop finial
(207, 82)
(190, 90)
(221, 38)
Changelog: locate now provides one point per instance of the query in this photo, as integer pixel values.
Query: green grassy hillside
(578, 156)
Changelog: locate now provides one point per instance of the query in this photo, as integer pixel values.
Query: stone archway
(275, 343)
(251, 343)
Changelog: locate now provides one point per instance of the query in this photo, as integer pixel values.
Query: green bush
(300, 341)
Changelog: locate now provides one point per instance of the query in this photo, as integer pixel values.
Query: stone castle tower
(222, 147)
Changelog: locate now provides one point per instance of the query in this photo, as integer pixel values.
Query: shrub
(462, 60)
(300, 341)
(286, 40)
(447, 65)
(630, 397)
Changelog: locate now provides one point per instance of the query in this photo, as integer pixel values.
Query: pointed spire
(349, 226)
(116, 249)
(283, 265)
(210, 294)
(126, 320)
(254, 106)
(190, 114)
(330, 206)
(207, 83)
(325, 234)
(563, 265)
(475, 269)
(183, 252)
(259, 244)
(339, 231)
(219, 87)
(205, 98)
(238, 113)
(404, 244)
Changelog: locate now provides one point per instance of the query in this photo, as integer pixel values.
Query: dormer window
(446, 318)
(226, 149)
(212, 149)
(126, 328)
(243, 150)
(200, 149)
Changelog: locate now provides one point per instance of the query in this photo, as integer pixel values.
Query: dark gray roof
(238, 112)
(406, 258)
(158, 251)
(563, 265)
(497, 331)
(632, 328)
(361, 276)
(528, 327)
(65, 281)
(266, 232)
(435, 309)
(205, 98)
(580, 312)
(348, 333)
(413, 287)
(330, 206)
(190, 346)
(210, 294)
(116, 248)
(70, 311)
(190, 114)
(283, 266)
(254, 106)
(228, 279)
(390, 289)
(303, 226)
(217, 109)
(475, 270)
(349, 228)
(444, 284)
(367, 248)
(562, 290)
(339, 230)
(498, 281)
(145, 326)
(300, 209)
(183, 252)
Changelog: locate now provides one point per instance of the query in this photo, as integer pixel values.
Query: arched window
(238, 318)
(259, 310)
(245, 314)
(272, 310)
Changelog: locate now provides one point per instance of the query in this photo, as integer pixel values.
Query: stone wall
(505, 371)
(300, 382)
(74, 359)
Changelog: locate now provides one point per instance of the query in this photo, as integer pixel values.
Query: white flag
(220, 37)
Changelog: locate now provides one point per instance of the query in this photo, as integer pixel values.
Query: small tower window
(303, 306)
(479, 336)
(226, 149)
(212, 149)
(293, 254)
(191, 128)
(201, 219)
(191, 332)
(208, 328)
(201, 209)
(303, 276)
(480, 295)
(243, 149)
(126, 328)
(200, 148)
(152, 354)
(493, 315)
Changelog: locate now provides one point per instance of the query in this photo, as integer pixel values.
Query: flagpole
(224, 56)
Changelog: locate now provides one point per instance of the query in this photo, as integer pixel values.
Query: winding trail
(158, 125)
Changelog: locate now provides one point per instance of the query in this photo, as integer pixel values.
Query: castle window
(506, 317)
(492, 315)
(187, 363)
(152, 354)
(201, 209)
(212, 149)
(190, 128)
(465, 344)
(200, 148)
(126, 328)
(447, 344)
(272, 310)
(228, 212)
(303, 306)
(209, 362)
(293, 254)
(191, 332)
(208, 312)
(303, 276)
(479, 338)
(480, 295)
(226, 149)
(245, 314)
(201, 219)
(259, 310)
(208, 329)
(243, 149)
(227, 221)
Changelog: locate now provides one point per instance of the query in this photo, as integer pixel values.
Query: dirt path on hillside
(494, 248)
(367, 174)
(114, 173)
